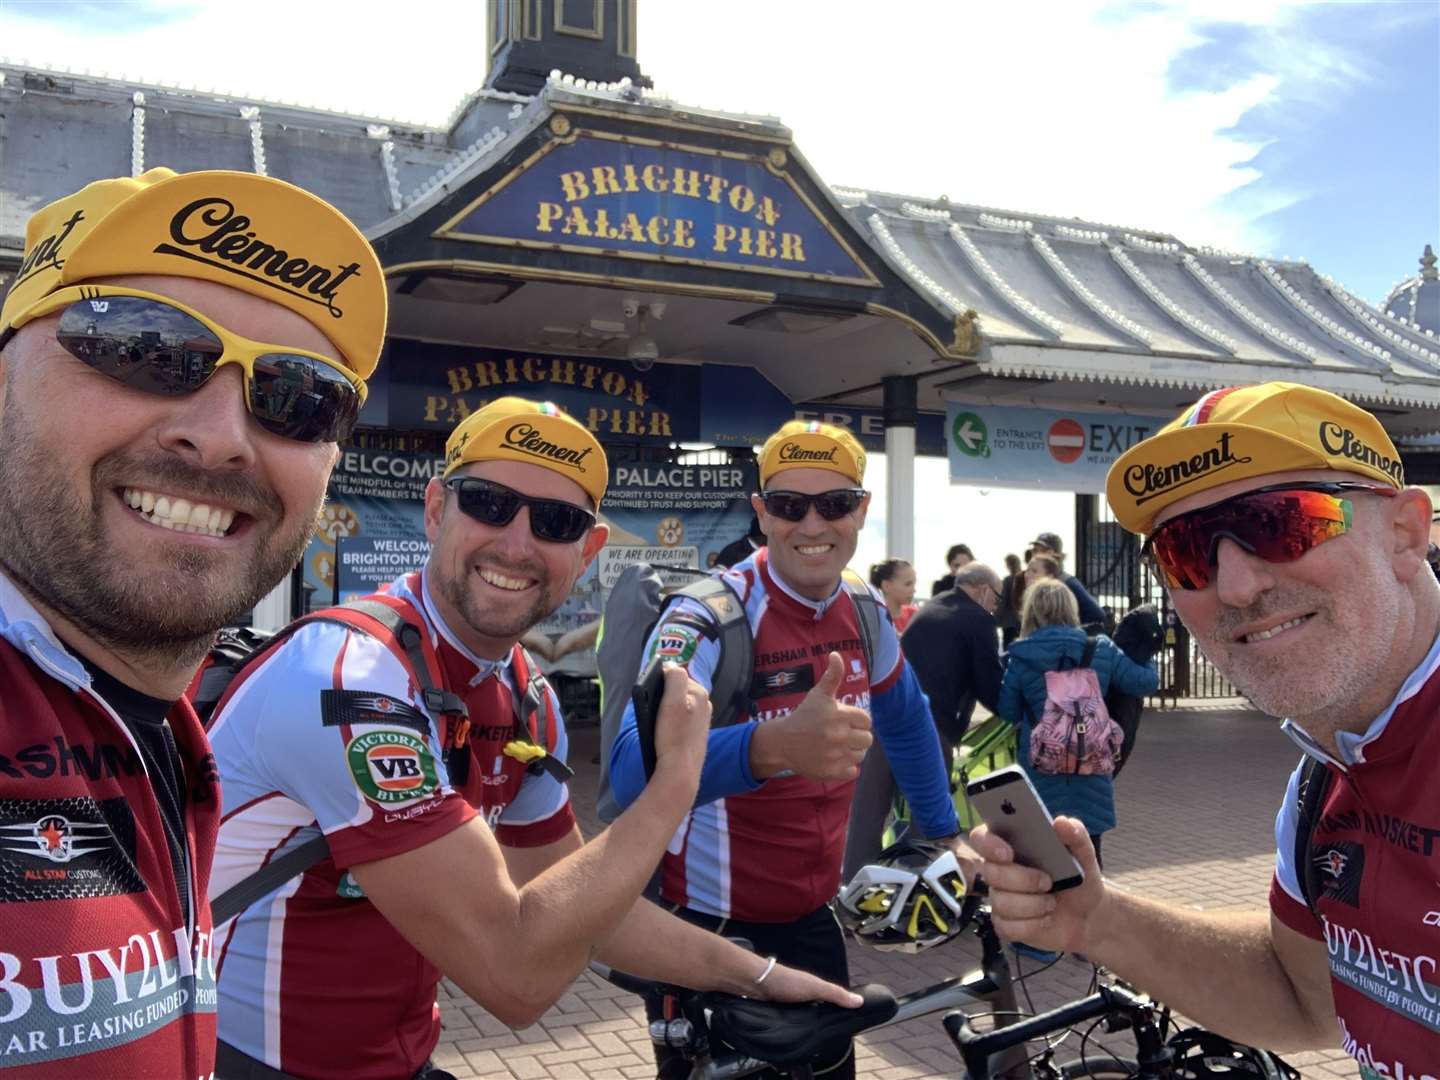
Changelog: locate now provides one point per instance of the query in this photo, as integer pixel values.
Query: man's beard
(486, 621)
(53, 543)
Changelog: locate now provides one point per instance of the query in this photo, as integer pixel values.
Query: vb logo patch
(675, 644)
(392, 767)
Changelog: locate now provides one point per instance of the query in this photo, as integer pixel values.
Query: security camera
(631, 307)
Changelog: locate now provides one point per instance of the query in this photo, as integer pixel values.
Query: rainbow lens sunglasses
(157, 344)
(1278, 523)
(831, 505)
(495, 504)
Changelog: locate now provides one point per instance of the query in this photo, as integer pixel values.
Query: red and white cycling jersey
(327, 733)
(774, 853)
(103, 974)
(1377, 846)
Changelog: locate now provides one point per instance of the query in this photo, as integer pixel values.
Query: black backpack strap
(267, 879)
(1089, 654)
(730, 685)
(1315, 783)
(867, 611)
(529, 745)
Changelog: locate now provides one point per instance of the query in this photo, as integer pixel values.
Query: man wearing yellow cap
(760, 855)
(179, 356)
(1278, 517)
(455, 856)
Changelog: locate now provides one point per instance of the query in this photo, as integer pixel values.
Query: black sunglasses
(495, 504)
(160, 346)
(830, 505)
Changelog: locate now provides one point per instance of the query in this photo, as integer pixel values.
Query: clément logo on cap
(1148, 481)
(795, 452)
(45, 255)
(528, 440)
(1342, 442)
(230, 239)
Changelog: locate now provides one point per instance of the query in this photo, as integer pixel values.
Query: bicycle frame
(990, 985)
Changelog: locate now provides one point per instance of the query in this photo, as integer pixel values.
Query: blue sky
(1269, 126)
(1266, 126)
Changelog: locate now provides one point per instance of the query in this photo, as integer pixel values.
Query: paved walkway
(1196, 809)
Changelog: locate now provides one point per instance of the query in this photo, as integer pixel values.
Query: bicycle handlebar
(976, 1049)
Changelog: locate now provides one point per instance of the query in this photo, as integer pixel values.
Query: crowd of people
(381, 794)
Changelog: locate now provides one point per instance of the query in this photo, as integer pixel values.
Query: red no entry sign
(1066, 440)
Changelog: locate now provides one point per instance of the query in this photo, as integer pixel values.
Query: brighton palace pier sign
(601, 193)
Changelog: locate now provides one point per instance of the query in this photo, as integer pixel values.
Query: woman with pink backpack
(1054, 692)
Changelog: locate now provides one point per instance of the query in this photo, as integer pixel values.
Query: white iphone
(1014, 811)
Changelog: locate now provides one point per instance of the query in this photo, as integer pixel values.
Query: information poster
(664, 514)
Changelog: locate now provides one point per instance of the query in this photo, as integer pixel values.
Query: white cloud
(1055, 107)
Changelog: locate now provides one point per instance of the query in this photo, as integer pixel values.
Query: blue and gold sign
(601, 193)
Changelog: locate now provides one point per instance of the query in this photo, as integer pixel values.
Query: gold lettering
(562, 372)
(549, 214)
(576, 223)
(512, 371)
(769, 213)
(765, 243)
(681, 235)
(792, 247)
(574, 186)
(724, 236)
(433, 404)
(613, 383)
(533, 369)
(594, 417)
(587, 379)
(745, 248)
(459, 380)
(631, 229)
(603, 228)
(634, 422)
(605, 180)
(717, 185)
(653, 177)
(487, 374)
(637, 392)
(630, 184)
(660, 424)
(686, 182)
(742, 199)
(657, 231)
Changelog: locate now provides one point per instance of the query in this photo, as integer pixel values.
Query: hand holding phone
(1014, 811)
(646, 697)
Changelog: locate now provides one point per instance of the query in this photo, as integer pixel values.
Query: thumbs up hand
(820, 739)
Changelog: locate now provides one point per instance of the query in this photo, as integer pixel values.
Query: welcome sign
(617, 195)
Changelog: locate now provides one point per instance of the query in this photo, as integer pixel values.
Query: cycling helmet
(1203, 1055)
(909, 900)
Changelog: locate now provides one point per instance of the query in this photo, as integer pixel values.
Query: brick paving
(1196, 809)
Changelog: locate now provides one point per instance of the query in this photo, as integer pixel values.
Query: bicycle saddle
(783, 1034)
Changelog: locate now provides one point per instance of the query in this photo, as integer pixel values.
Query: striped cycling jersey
(327, 733)
(771, 851)
(1377, 848)
(105, 971)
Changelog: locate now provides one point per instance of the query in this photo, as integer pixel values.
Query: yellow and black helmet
(908, 900)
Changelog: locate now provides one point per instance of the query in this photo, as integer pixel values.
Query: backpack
(632, 611)
(1139, 634)
(1315, 783)
(386, 620)
(1075, 734)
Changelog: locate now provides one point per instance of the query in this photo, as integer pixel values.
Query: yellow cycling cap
(535, 432)
(1245, 431)
(809, 444)
(253, 233)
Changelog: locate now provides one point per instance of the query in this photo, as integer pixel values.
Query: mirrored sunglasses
(1278, 524)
